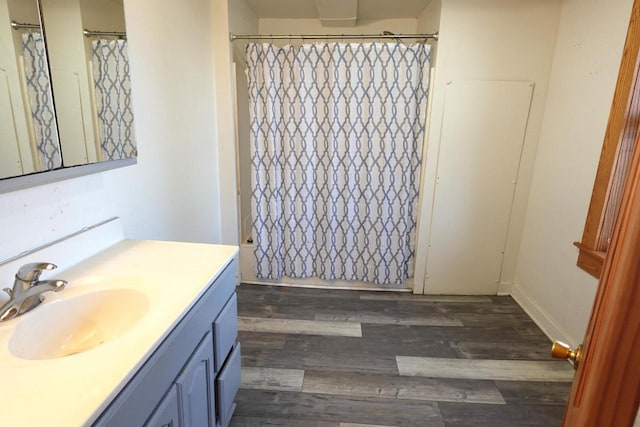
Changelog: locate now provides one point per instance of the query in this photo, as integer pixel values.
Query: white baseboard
(504, 288)
(540, 317)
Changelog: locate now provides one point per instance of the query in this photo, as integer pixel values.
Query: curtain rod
(19, 25)
(89, 33)
(386, 35)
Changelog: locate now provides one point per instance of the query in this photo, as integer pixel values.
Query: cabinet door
(196, 387)
(166, 413)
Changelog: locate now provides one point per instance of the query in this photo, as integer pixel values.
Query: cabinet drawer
(225, 331)
(227, 386)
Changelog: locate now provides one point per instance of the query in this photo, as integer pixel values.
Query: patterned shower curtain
(336, 143)
(113, 98)
(40, 101)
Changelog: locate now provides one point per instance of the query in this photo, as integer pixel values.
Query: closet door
(483, 131)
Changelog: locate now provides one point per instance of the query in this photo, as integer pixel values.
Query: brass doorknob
(560, 350)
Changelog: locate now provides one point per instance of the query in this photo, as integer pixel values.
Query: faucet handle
(32, 271)
(55, 285)
(8, 291)
(59, 285)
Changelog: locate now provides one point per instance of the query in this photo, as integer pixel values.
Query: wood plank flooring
(332, 358)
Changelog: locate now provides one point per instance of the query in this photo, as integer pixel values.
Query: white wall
(491, 40)
(548, 284)
(70, 80)
(429, 22)
(33, 217)
(429, 19)
(102, 15)
(173, 191)
(242, 20)
(313, 26)
(225, 117)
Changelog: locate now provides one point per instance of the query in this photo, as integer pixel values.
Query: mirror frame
(22, 182)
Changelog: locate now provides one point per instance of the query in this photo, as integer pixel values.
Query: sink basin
(65, 327)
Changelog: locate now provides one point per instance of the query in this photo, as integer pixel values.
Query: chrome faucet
(28, 289)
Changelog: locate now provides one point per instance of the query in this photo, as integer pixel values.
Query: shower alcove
(486, 102)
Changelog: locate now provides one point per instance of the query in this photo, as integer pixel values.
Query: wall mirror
(65, 92)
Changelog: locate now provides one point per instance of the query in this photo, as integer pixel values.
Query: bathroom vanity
(145, 333)
(193, 376)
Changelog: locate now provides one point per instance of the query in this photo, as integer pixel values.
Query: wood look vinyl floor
(332, 358)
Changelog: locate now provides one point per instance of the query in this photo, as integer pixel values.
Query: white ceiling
(367, 9)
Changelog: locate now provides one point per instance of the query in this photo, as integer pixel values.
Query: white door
(10, 162)
(482, 134)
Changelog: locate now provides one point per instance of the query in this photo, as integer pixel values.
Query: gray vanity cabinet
(193, 376)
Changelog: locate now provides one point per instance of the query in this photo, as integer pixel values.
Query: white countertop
(74, 390)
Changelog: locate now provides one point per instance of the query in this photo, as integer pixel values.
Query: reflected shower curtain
(40, 101)
(336, 143)
(113, 98)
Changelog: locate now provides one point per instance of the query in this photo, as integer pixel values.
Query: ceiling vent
(337, 13)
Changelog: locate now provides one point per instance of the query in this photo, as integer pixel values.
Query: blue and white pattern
(113, 98)
(336, 134)
(40, 100)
